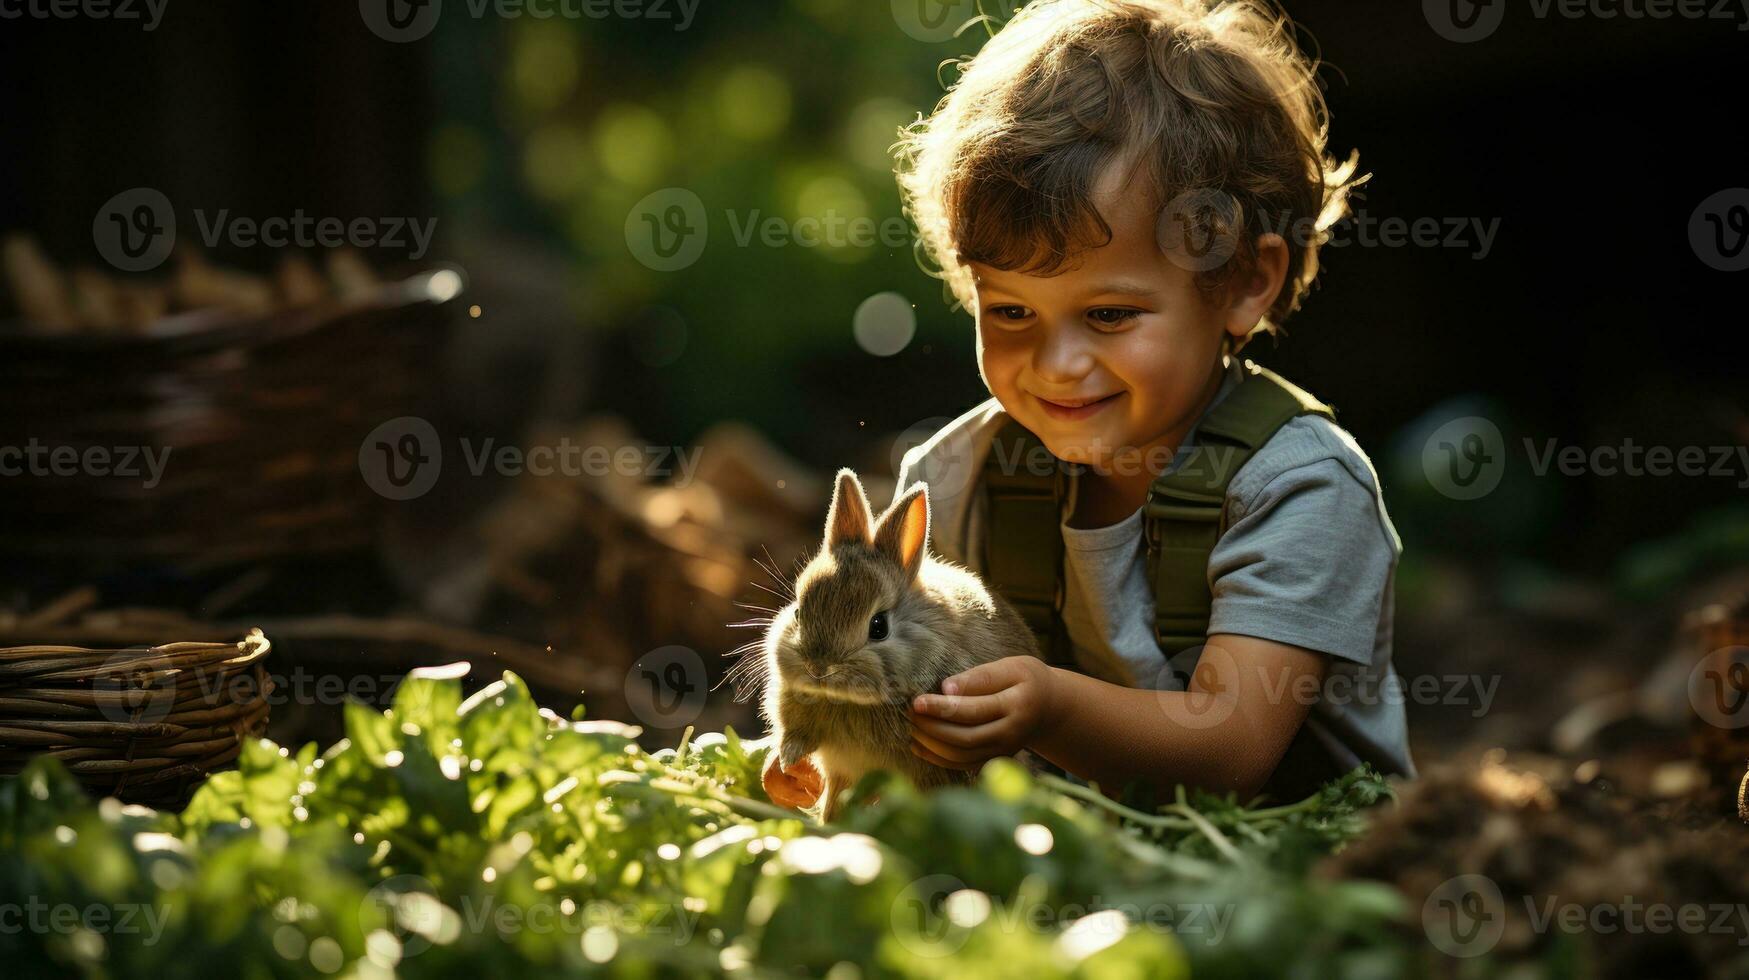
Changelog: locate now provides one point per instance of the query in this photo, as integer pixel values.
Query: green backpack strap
(1023, 550)
(1185, 512)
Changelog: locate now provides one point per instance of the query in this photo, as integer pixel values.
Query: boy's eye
(1008, 313)
(1112, 316)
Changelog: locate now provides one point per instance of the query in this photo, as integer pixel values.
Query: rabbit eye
(877, 627)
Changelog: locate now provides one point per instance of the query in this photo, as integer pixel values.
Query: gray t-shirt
(1308, 559)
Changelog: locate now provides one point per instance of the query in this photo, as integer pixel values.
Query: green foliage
(490, 837)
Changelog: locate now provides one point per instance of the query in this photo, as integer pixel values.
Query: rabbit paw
(798, 788)
(791, 751)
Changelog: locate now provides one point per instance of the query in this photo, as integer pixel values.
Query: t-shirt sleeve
(1307, 561)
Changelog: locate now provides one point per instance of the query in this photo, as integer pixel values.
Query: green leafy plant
(488, 836)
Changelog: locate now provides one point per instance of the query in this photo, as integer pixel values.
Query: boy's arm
(1246, 700)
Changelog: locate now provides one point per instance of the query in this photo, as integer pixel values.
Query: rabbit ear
(847, 520)
(903, 530)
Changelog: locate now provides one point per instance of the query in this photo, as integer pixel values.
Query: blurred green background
(785, 110)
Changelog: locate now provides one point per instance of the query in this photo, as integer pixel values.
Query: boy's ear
(847, 519)
(903, 530)
(1249, 297)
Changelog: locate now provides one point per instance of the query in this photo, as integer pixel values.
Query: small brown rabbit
(875, 622)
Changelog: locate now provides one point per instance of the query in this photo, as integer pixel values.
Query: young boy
(1123, 192)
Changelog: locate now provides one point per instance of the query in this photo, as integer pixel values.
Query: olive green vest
(1184, 516)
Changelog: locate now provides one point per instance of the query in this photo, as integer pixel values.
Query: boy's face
(1115, 354)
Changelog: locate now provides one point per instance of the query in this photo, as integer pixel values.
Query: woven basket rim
(149, 657)
(218, 328)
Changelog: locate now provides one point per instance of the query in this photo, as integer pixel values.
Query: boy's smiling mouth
(1075, 409)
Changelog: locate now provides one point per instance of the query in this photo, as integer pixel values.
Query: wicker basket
(145, 723)
(262, 418)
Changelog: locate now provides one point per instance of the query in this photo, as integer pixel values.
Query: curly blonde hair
(1213, 99)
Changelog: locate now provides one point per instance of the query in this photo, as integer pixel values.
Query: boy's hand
(993, 709)
(798, 786)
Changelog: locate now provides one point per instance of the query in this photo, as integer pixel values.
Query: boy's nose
(1062, 358)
